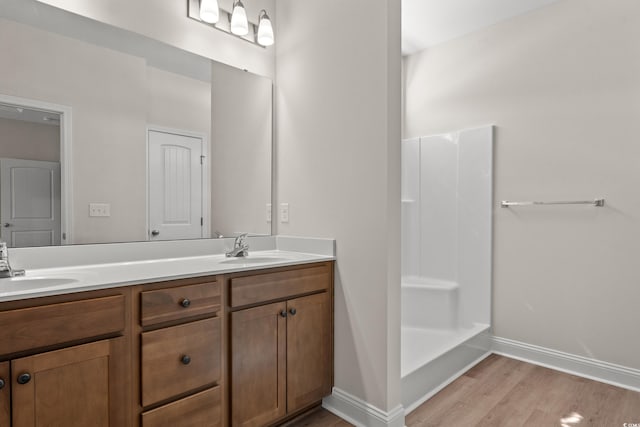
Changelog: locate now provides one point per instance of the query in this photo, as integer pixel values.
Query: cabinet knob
(185, 302)
(24, 378)
(1, 383)
(185, 360)
(293, 311)
(283, 313)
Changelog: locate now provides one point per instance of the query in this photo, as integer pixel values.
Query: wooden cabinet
(180, 359)
(309, 356)
(281, 352)
(181, 353)
(258, 363)
(199, 410)
(68, 387)
(247, 349)
(65, 363)
(5, 394)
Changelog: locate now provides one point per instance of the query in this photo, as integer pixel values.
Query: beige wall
(241, 145)
(562, 86)
(167, 21)
(28, 140)
(338, 167)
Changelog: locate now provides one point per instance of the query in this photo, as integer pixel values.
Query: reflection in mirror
(153, 142)
(29, 176)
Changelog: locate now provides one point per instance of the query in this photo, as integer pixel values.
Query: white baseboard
(360, 413)
(592, 369)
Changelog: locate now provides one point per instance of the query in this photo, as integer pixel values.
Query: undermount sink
(253, 260)
(25, 283)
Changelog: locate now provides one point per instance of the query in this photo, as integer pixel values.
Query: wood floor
(505, 392)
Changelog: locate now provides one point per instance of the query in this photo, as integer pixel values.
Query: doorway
(34, 196)
(176, 185)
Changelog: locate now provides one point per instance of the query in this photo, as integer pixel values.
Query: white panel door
(29, 202)
(175, 186)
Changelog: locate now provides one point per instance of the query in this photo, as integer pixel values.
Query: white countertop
(55, 281)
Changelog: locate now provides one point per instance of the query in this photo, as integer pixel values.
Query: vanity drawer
(198, 410)
(47, 325)
(168, 304)
(260, 288)
(165, 371)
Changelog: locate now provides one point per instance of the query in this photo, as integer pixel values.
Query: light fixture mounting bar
(224, 24)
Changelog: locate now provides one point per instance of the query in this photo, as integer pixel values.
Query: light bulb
(265, 29)
(209, 11)
(239, 23)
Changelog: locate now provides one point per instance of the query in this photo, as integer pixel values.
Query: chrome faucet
(5, 267)
(240, 247)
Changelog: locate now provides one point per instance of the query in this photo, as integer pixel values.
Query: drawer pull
(1, 383)
(293, 311)
(283, 313)
(185, 360)
(185, 302)
(24, 378)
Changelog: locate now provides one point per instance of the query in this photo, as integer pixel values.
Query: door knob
(293, 311)
(1, 383)
(155, 232)
(283, 313)
(185, 359)
(6, 225)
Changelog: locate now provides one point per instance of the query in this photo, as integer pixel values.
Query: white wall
(167, 21)
(338, 167)
(178, 102)
(241, 148)
(31, 141)
(561, 84)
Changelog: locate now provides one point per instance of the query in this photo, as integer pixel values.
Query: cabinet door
(5, 394)
(308, 350)
(68, 387)
(258, 363)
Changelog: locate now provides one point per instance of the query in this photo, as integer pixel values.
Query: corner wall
(562, 86)
(338, 167)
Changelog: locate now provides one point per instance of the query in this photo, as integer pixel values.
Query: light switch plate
(284, 212)
(99, 209)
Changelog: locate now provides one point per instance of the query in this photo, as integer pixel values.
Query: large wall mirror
(109, 136)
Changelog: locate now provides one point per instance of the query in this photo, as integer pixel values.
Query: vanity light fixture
(234, 20)
(209, 11)
(265, 29)
(239, 22)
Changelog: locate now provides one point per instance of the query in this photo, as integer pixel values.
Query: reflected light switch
(99, 209)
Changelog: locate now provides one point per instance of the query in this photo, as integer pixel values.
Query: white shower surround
(447, 197)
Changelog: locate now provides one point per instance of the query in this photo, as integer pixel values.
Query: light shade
(209, 11)
(239, 22)
(265, 29)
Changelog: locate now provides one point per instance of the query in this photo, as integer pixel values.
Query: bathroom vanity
(250, 345)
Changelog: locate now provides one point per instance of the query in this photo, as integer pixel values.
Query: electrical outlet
(284, 212)
(99, 209)
(268, 212)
